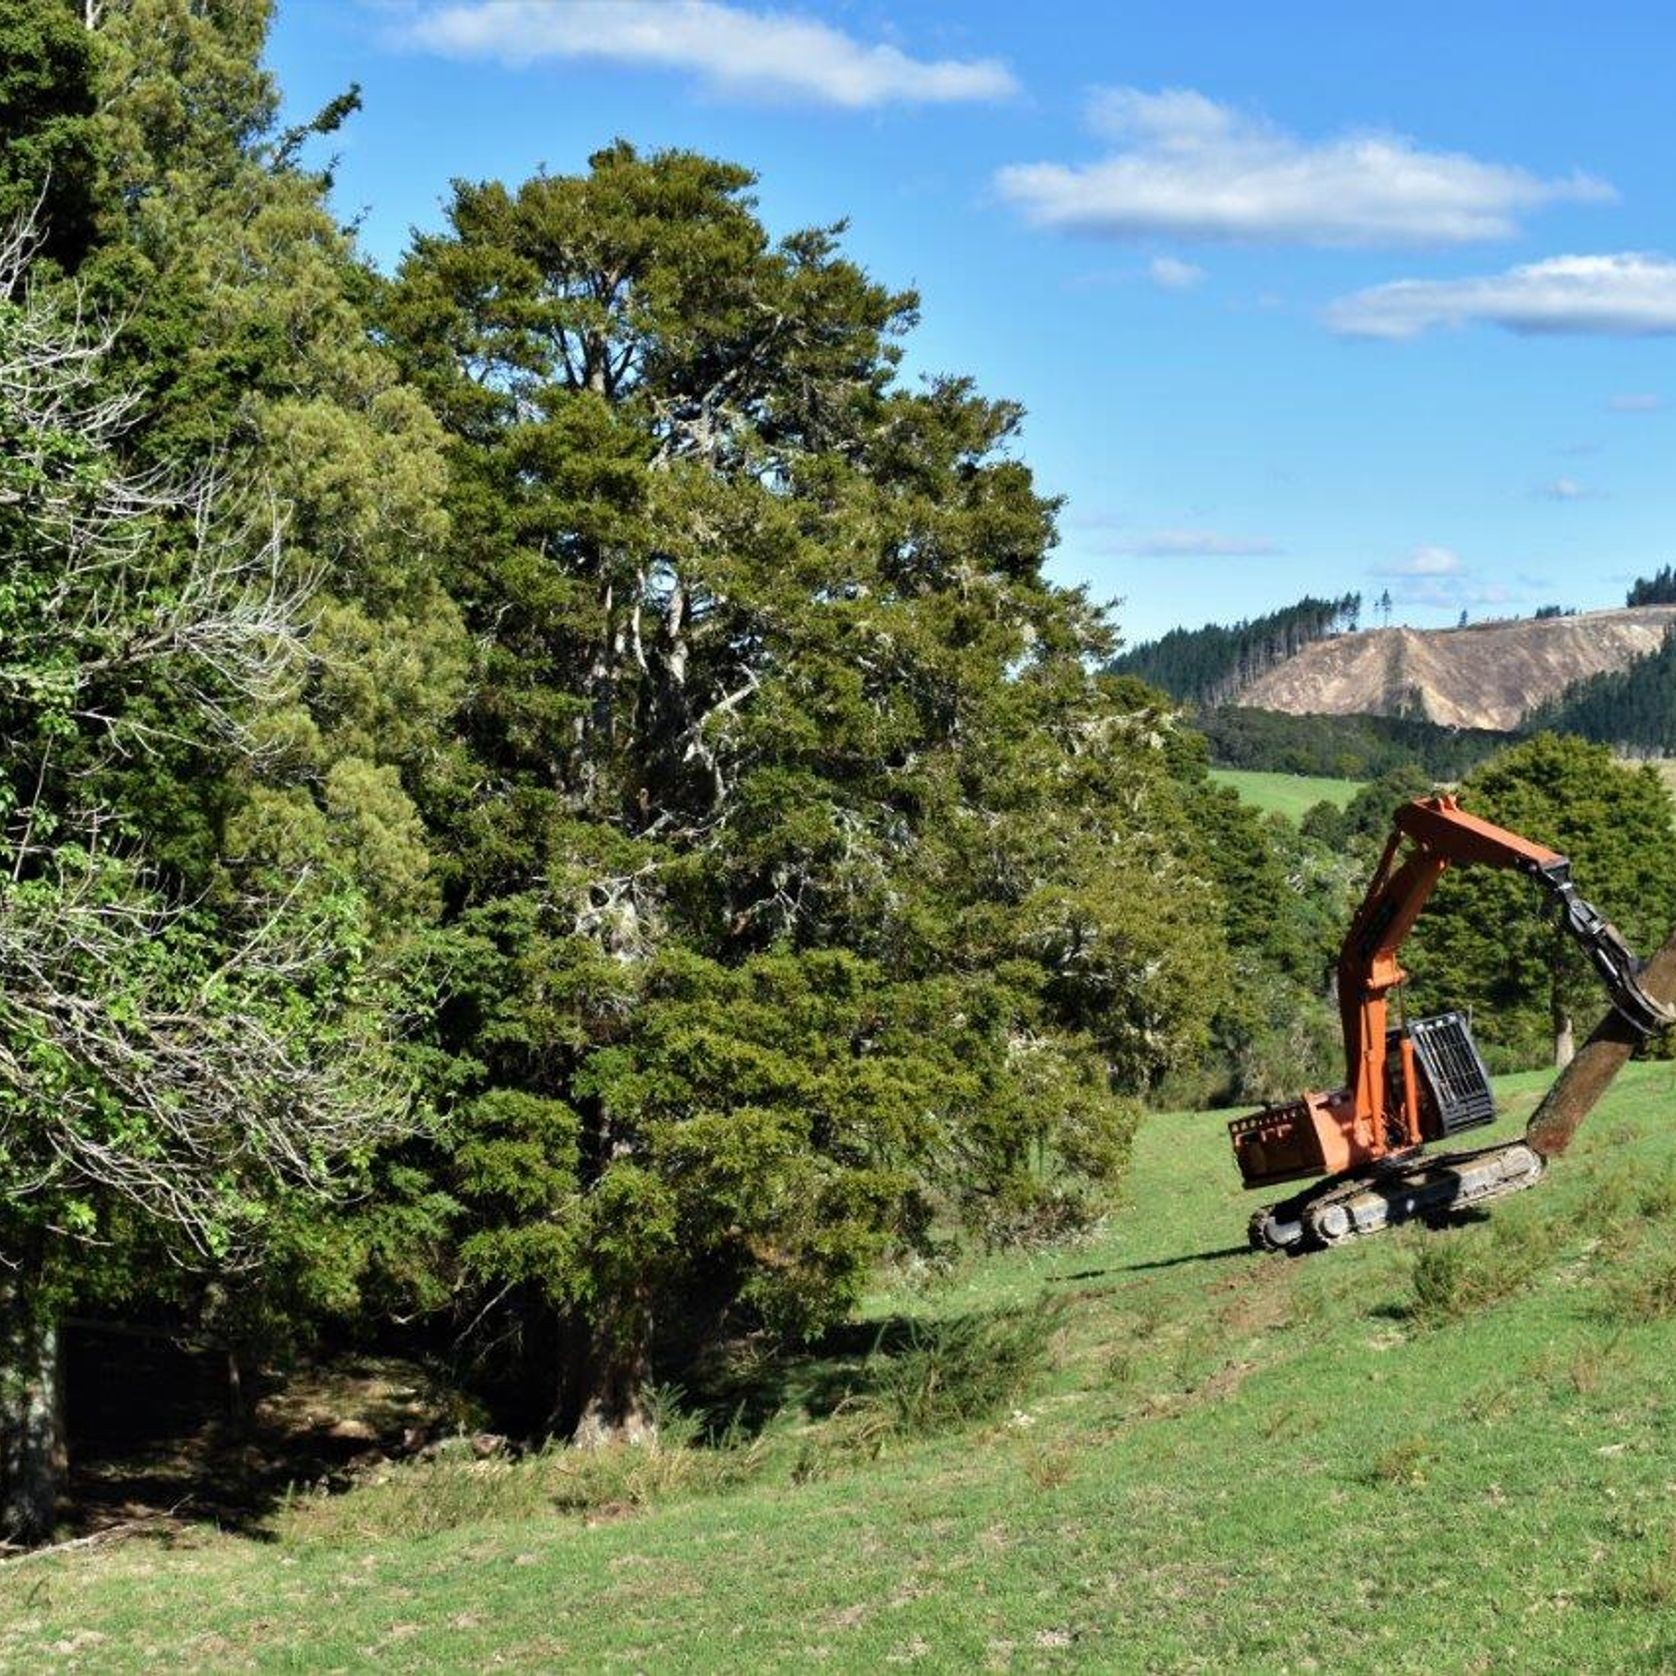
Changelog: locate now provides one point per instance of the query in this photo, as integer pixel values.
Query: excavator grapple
(1410, 1086)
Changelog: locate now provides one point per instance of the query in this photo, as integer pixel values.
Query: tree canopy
(805, 867)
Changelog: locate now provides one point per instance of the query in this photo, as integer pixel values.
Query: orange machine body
(1383, 1109)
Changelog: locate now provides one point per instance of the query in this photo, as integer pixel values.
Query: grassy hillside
(1436, 1451)
(1285, 794)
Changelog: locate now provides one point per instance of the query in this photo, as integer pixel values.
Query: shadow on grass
(926, 1372)
(154, 1440)
(1220, 1254)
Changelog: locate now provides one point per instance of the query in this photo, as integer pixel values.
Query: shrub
(1455, 1274)
(425, 1498)
(953, 1373)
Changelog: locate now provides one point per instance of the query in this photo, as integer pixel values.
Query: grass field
(1285, 794)
(1433, 1452)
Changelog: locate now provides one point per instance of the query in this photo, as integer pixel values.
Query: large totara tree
(810, 891)
(1485, 944)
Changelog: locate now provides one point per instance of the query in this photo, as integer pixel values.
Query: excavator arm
(1430, 836)
(1366, 1138)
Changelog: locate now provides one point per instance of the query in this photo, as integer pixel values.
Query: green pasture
(1285, 794)
(1439, 1451)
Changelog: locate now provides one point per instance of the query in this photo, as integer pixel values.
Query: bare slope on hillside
(1486, 675)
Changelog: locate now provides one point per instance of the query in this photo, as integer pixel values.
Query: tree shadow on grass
(859, 1362)
(1220, 1254)
(155, 1440)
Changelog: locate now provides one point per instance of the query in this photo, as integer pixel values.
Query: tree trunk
(617, 1381)
(32, 1453)
(1565, 1037)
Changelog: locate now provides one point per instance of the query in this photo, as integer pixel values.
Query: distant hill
(1210, 665)
(1488, 675)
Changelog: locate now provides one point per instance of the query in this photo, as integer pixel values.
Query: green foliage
(1244, 860)
(1342, 747)
(1482, 942)
(813, 890)
(1367, 817)
(50, 150)
(953, 1373)
(1456, 1275)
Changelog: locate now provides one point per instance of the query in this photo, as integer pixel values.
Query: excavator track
(1417, 1187)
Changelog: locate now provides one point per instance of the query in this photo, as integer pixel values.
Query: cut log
(1578, 1088)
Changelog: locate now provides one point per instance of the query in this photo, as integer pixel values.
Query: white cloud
(735, 50)
(1174, 274)
(1187, 167)
(1563, 488)
(1425, 561)
(1197, 544)
(1435, 576)
(1635, 404)
(1622, 295)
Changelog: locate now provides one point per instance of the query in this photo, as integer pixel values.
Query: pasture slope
(1437, 1452)
(1292, 795)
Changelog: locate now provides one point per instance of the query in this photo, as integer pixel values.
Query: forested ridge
(1632, 708)
(1342, 747)
(1210, 665)
(1657, 589)
(550, 815)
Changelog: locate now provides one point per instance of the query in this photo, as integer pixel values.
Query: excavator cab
(1436, 1086)
(1439, 1060)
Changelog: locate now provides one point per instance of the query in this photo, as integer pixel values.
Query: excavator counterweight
(1410, 1085)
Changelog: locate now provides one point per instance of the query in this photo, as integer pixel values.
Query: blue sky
(1299, 297)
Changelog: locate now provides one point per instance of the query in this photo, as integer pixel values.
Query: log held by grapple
(1578, 1088)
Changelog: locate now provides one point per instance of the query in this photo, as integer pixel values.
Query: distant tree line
(1210, 665)
(1632, 708)
(1342, 747)
(1657, 589)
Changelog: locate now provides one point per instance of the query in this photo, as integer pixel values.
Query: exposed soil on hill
(1485, 675)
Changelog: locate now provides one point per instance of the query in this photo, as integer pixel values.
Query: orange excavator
(1413, 1084)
